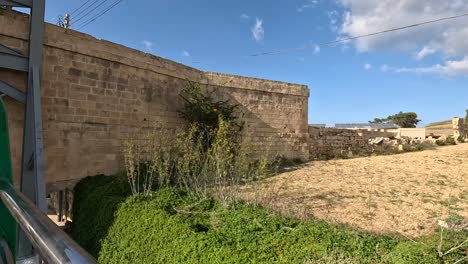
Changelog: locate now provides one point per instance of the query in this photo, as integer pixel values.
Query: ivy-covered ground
(173, 227)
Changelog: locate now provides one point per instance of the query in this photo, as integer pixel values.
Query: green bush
(424, 146)
(174, 227)
(329, 152)
(95, 201)
(205, 158)
(417, 147)
(187, 162)
(203, 110)
(450, 141)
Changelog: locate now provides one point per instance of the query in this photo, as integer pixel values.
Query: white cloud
(333, 17)
(385, 68)
(186, 53)
(447, 38)
(258, 32)
(426, 51)
(451, 68)
(316, 49)
(368, 16)
(309, 4)
(244, 16)
(148, 45)
(367, 66)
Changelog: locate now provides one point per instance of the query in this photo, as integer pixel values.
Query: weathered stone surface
(327, 143)
(457, 127)
(330, 142)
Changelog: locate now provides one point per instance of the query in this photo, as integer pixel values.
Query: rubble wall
(327, 142)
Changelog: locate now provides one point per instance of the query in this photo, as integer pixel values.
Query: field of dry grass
(402, 194)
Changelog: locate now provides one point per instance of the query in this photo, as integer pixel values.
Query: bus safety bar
(53, 245)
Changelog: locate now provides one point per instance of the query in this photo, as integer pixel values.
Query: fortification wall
(96, 93)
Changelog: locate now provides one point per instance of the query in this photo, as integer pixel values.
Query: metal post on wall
(32, 183)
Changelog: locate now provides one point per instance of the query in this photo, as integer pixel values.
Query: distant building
(368, 126)
(318, 125)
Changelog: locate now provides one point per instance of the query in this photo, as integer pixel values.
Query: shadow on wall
(273, 124)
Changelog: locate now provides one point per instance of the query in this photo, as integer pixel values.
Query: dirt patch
(405, 194)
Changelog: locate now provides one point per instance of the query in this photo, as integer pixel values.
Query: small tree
(202, 110)
(405, 120)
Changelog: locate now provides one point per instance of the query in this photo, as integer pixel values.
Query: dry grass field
(402, 194)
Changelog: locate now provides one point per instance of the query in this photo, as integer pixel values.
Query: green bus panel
(7, 223)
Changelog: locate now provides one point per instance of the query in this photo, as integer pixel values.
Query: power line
(72, 12)
(84, 24)
(284, 51)
(99, 15)
(86, 8)
(92, 10)
(275, 52)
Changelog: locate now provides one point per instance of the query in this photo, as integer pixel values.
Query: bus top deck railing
(52, 244)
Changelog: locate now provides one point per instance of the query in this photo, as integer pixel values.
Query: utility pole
(67, 21)
(32, 183)
(64, 21)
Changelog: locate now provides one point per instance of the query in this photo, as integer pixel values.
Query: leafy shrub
(150, 160)
(424, 146)
(204, 111)
(220, 169)
(418, 147)
(95, 201)
(208, 156)
(328, 152)
(460, 139)
(173, 226)
(408, 148)
(450, 141)
(441, 142)
(186, 161)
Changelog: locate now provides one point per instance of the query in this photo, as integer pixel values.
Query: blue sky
(424, 70)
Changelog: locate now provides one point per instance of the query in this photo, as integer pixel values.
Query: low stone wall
(454, 129)
(368, 134)
(439, 132)
(325, 143)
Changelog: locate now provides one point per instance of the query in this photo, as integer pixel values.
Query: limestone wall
(458, 125)
(325, 143)
(329, 142)
(416, 133)
(368, 134)
(96, 93)
(455, 129)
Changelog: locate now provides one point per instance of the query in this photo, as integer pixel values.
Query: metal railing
(52, 244)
